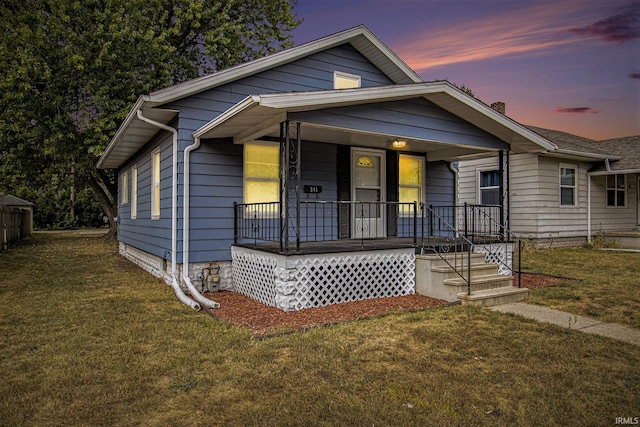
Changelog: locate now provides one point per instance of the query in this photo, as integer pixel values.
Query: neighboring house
(566, 196)
(16, 219)
(306, 175)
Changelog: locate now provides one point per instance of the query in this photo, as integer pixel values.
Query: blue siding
(152, 236)
(417, 118)
(440, 184)
(216, 167)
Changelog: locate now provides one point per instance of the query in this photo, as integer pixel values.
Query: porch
(295, 259)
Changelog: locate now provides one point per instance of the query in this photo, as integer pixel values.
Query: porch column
(503, 165)
(289, 183)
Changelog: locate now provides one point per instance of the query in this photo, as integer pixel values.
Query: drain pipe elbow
(174, 213)
(185, 232)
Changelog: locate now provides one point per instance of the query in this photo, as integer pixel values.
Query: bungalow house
(316, 175)
(566, 196)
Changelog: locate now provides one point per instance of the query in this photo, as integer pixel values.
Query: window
(616, 190)
(411, 179)
(155, 184)
(568, 185)
(345, 80)
(489, 187)
(124, 188)
(261, 172)
(134, 192)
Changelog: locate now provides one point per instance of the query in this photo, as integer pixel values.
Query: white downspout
(588, 208)
(185, 230)
(174, 213)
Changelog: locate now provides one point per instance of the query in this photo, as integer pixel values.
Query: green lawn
(605, 285)
(89, 339)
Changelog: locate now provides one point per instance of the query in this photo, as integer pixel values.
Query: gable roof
(573, 146)
(627, 150)
(133, 133)
(258, 115)
(9, 200)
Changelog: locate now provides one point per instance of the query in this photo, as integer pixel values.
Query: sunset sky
(570, 65)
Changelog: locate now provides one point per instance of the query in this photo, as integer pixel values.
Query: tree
(72, 68)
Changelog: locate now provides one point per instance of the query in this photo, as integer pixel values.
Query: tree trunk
(110, 208)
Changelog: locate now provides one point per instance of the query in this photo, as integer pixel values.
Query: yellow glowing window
(124, 188)
(365, 162)
(155, 184)
(345, 80)
(411, 179)
(261, 172)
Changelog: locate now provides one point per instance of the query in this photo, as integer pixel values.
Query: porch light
(398, 143)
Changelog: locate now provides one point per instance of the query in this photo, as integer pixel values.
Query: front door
(368, 178)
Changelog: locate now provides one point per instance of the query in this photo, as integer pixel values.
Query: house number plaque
(313, 189)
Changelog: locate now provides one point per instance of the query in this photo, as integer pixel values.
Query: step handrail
(506, 236)
(450, 232)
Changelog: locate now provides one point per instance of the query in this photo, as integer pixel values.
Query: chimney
(499, 107)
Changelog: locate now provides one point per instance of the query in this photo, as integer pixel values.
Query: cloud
(634, 75)
(620, 28)
(578, 110)
(499, 35)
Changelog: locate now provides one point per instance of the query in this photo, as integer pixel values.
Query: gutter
(174, 215)
(185, 230)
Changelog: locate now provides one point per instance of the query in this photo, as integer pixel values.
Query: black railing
(452, 230)
(444, 240)
(320, 220)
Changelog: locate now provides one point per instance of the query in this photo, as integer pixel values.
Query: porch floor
(330, 246)
(349, 245)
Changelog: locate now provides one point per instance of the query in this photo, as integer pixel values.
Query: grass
(89, 339)
(604, 285)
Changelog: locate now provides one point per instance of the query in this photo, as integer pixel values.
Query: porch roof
(260, 115)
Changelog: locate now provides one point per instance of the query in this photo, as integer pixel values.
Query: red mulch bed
(263, 321)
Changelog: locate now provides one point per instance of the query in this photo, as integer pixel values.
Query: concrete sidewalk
(571, 321)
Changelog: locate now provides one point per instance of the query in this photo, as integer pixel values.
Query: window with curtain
(489, 188)
(411, 179)
(261, 172)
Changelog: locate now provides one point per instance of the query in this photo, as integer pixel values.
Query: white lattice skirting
(500, 254)
(305, 281)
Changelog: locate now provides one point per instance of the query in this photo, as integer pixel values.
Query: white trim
(356, 36)
(134, 191)
(381, 221)
(434, 91)
(614, 172)
(124, 188)
(575, 184)
(156, 179)
(357, 80)
(479, 172)
(616, 189)
(423, 171)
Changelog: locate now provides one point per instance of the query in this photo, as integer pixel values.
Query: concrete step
(457, 259)
(479, 283)
(492, 297)
(479, 269)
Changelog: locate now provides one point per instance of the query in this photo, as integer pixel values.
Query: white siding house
(564, 197)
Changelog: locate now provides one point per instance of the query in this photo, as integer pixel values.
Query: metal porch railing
(449, 231)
